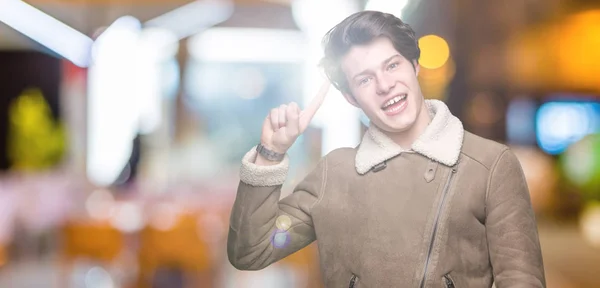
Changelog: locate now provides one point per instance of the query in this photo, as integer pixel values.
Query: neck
(406, 138)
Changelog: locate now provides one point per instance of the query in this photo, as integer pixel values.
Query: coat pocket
(448, 282)
(353, 281)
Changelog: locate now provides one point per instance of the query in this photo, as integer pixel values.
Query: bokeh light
(590, 224)
(434, 82)
(434, 51)
(100, 204)
(128, 217)
(98, 277)
(164, 216)
(581, 165)
(560, 124)
(483, 110)
(558, 56)
(283, 222)
(577, 44)
(280, 239)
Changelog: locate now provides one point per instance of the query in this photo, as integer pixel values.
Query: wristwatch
(269, 154)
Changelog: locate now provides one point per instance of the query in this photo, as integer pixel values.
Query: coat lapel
(441, 141)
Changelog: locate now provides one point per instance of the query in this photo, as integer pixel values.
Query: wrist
(270, 154)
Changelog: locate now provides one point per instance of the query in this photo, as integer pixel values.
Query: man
(420, 202)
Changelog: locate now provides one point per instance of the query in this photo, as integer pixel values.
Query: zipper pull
(449, 282)
(353, 281)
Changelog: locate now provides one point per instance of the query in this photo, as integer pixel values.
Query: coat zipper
(352, 281)
(435, 225)
(449, 282)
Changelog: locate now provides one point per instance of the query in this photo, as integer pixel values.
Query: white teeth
(394, 100)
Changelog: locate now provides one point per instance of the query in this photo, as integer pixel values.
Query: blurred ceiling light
(125, 29)
(113, 117)
(46, 30)
(247, 45)
(315, 17)
(194, 17)
(158, 43)
(125, 92)
(388, 6)
(155, 47)
(434, 51)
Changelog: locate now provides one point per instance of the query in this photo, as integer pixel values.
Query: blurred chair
(95, 241)
(169, 253)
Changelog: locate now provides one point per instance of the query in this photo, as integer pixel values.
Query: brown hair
(359, 29)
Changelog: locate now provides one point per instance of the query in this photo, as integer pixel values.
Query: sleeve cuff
(257, 175)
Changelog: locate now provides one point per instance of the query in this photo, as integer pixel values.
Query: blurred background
(123, 124)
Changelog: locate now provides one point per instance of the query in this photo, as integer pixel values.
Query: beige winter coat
(453, 211)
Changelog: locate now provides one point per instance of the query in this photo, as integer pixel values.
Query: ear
(351, 99)
(417, 67)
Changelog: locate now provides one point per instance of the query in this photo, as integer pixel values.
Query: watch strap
(269, 154)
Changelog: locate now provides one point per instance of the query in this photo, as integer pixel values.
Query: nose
(385, 84)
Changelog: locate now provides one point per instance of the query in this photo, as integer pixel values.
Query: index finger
(310, 111)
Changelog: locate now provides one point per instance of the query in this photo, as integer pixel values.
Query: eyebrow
(368, 71)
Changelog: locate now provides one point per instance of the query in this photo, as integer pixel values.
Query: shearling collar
(441, 141)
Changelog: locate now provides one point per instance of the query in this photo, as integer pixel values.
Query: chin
(399, 123)
(397, 126)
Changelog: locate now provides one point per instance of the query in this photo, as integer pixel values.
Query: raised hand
(284, 124)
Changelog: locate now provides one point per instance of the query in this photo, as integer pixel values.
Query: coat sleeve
(511, 228)
(264, 229)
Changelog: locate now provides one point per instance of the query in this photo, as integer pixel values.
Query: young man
(420, 202)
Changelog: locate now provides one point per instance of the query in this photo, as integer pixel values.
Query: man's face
(383, 84)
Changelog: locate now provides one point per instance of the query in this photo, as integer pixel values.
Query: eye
(364, 81)
(393, 66)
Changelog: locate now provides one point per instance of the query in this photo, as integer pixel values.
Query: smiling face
(384, 85)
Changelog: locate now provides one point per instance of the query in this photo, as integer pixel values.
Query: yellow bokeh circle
(434, 51)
